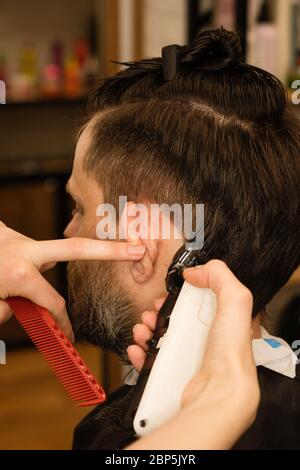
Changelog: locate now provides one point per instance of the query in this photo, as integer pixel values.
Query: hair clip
(170, 61)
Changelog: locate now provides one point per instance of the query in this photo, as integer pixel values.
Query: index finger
(73, 249)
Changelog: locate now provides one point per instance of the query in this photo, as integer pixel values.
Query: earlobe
(140, 272)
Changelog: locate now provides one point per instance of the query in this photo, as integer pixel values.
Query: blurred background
(51, 54)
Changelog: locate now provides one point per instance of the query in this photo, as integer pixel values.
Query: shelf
(47, 102)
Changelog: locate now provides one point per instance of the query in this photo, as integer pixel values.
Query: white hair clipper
(176, 349)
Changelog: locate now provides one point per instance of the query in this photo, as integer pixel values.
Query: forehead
(82, 148)
(81, 183)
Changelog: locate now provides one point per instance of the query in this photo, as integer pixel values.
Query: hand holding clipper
(180, 356)
(176, 349)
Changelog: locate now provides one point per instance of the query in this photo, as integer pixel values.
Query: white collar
(274, 353)
(269, 351)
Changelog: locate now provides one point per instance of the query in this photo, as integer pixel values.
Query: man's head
(106, 299)
(219, 134)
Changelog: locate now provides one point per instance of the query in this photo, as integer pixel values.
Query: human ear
(142, 270)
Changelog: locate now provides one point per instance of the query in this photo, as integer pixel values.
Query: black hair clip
(170, 61)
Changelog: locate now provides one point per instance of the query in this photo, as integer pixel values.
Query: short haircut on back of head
(220, 134)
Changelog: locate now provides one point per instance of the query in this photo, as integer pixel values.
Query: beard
(101, 311)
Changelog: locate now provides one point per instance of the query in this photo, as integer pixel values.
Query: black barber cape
(277, 425)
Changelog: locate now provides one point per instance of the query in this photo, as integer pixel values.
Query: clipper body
(180, 356)
(176, 349)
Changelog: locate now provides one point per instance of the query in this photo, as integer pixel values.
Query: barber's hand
(142, 333)
(22, 260)
(228, 374)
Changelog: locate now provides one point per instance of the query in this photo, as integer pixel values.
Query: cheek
(136, 295)
(81, 226)
(86, 226)
(72, 228)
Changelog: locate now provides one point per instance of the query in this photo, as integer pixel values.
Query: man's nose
(67, 231)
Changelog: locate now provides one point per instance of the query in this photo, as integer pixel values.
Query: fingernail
(136, 249)
(132, 237)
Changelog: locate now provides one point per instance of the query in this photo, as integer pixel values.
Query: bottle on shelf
(24, 82)
(72, 84)
(53, 72)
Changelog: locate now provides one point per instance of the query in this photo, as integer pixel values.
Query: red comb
(60, 354)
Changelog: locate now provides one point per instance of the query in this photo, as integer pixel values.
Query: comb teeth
(59, 353)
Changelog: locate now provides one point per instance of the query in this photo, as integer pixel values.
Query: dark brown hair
(219, 133)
